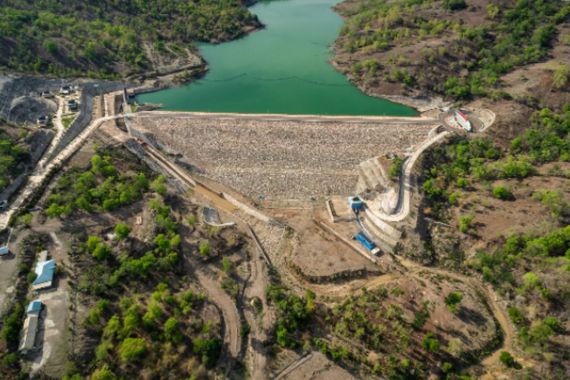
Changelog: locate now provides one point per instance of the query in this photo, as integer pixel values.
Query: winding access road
(407, 182)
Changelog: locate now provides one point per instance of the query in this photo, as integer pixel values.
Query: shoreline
(420, 104)
(168, 76)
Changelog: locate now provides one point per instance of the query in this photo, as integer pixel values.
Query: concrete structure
(338, 210)
(45, 271)
(30, 328)
(356, 203)
(463, 121)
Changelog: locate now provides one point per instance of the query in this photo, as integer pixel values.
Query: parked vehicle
(43, 121)
(72, 105)
(368, 244)
(65, 90)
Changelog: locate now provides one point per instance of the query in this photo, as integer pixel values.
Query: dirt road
(228, 308)
(259, 324)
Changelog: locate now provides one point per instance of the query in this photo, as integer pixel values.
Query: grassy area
(66, 121)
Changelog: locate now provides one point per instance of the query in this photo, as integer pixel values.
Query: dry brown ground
(319, 254)
(536, 81)
(495, 219)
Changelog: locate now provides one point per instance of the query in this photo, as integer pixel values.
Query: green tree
(208, 349)
(454, 5)
(452, 300)
(396, 167)
(50, 46)
(430, 343)
(492, 11)
(159, 185)
(502, 192)
(172, 330)
(507, 359)
(92, 243)
(102, 251)
(204, 249)
(192, 220)
(226, 265)
(560, 77)
(122, 231)
(465, 222)
(103, 373)
(132, 350)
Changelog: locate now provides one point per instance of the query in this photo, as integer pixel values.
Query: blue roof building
(4, 250)
(356, 203)
(34, 307)
(45, 271)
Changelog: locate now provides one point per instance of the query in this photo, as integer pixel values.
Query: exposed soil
(320, 256)
(496, 219)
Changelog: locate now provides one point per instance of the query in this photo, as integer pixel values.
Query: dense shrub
(507, 359)
(99, 189)
(502, 192)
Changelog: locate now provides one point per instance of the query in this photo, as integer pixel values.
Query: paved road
(402, 209)
(59, 132)
(283, 117)
(40, 174)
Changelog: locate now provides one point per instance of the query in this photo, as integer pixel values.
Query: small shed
(34, 307)
(45, 271)
(4, 250)
(356, 203)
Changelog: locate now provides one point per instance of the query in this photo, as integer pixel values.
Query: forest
(111, 38)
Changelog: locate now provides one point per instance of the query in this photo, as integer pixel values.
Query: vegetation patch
(108, 38)
(103, 187)
(433, 46)
(13, 156)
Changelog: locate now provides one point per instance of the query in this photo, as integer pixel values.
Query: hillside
(495, 207)
(111, 39)
(459, 49)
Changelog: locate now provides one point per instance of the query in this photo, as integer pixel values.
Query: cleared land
(281, 158)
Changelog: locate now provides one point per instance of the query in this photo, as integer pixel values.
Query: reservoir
(283, 68)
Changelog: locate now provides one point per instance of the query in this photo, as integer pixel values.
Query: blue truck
(367, 243)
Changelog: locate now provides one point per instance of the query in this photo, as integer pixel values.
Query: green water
(280, 69)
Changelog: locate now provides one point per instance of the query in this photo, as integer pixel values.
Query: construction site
(301, 171)
(322, 201)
